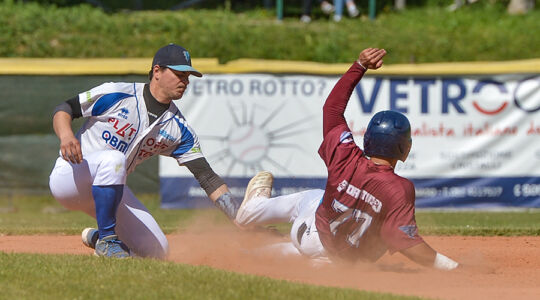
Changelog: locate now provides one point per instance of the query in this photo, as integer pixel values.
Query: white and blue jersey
(118, 119)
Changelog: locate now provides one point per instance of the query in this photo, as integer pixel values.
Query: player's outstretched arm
(424, 255)
(69, 145)
(334, 107)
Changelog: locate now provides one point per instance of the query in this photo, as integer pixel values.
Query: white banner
(463, 128)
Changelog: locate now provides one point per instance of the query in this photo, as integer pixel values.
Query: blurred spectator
(517, 7)
(326, 8)
(400, 4)
(459, 3)
(351, 9)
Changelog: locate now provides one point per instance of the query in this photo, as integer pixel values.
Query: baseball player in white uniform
(127, 123)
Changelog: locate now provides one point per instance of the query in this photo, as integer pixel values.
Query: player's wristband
(362, 66)
(444, 263)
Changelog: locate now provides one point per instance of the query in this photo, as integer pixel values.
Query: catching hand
(371, 58)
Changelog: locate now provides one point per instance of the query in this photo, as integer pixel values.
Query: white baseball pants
(71, 185)
(298, 209)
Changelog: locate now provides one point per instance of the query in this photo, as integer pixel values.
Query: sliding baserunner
(366, 209)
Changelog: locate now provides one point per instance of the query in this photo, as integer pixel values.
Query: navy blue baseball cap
(175, 57)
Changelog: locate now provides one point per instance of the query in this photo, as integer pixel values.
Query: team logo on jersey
(114, 142)
(357, 193)
(88, 96)
(118, 168)
(342, 185)
(346, 137)
(152, 146)
(166, 135)
(410, 230)
(123, 113)
(123, 129)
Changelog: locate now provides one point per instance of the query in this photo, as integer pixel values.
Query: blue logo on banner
(453, 92)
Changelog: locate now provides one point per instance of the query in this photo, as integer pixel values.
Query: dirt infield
(500, 267)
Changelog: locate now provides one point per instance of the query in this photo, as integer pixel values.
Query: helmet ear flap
(401, 148)
(405, 148)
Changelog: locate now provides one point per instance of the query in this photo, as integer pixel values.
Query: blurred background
(448, 53)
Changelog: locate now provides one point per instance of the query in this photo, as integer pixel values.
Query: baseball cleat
(259, 186)
(111, 246)
(90, 237)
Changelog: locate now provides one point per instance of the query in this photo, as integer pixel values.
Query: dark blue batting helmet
(388, 135)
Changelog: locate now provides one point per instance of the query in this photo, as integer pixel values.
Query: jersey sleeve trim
(75, 106)
(187, 142)
(346, 137)
(107, 101)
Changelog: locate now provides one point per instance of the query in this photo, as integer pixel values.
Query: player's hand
(71, 149)
(371, 58)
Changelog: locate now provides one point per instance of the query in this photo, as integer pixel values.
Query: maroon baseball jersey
(367, 209)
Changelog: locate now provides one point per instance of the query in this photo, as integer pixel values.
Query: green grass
(32, 276)
(426, 34)
(511, 223)
(43, 215)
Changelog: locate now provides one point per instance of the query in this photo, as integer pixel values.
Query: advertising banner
(476, 139)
